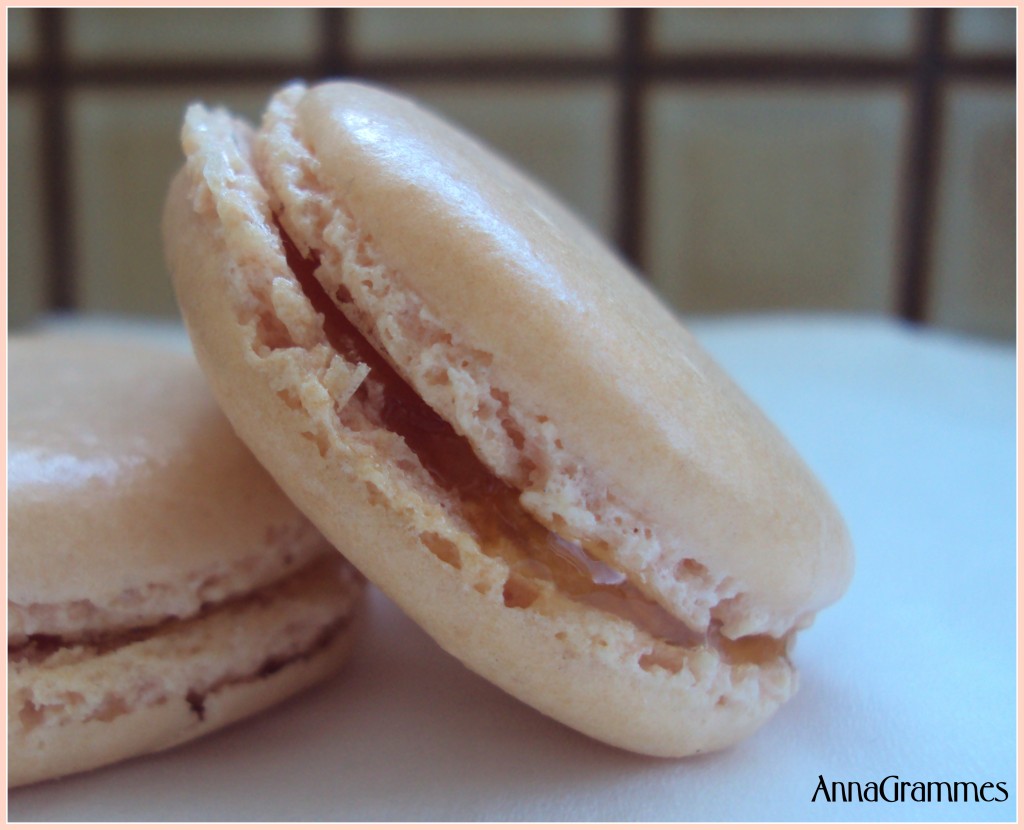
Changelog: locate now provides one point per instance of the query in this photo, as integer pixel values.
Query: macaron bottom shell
(75, 706)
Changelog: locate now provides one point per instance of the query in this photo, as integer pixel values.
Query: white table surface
(912, 674)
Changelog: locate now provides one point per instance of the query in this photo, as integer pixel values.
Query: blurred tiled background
(856, 160)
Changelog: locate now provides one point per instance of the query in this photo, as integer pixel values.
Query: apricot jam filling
(500, 524)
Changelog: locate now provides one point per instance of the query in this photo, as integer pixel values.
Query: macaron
(160, 584)
(508, 433)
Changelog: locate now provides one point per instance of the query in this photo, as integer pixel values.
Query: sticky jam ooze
(501, 526)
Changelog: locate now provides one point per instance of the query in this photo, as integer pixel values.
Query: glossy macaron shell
(569, 336)
(128, 492)
(160, 584)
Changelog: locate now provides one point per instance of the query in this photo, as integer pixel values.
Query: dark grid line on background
(925, 75)
(333, 43)
(629, 186)
(746, 69)
(56, 168)
(922, 165)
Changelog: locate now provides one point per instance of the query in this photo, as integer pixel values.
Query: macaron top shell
(600, 378)
(129, 508)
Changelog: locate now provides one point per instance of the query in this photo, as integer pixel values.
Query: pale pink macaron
(496, 420)
(160, 584)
